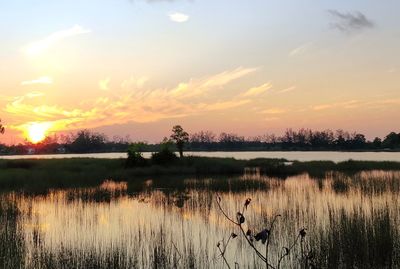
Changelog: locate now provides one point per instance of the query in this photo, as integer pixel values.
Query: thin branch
(270, 235)
(288, 251)
(223, 212)
(259, 254)
(177, 250)
(223, 256)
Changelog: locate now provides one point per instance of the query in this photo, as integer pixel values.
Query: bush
(135, 157)
(164, 156)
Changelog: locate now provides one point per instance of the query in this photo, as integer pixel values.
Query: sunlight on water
(111, 227)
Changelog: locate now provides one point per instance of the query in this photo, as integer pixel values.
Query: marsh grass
(173, 222)
(38, 175)
(12, 243)
(356, 241)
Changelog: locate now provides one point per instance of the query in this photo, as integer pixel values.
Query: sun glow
(37, 132)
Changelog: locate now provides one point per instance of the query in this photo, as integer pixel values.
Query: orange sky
(242, 68)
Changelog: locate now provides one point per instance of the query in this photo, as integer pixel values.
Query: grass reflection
(173, 222)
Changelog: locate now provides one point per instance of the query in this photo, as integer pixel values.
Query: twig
(259, 254)
(271, 227)
(223, 255)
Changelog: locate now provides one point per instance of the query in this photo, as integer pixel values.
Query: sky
(137, 67)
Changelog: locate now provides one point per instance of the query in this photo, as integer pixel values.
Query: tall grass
(12, 249)
(352, 219)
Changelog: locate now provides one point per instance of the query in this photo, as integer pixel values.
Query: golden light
(36, 132)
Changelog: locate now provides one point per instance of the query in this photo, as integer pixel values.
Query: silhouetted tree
(204, 140)
(86, 141)
(2, 129)
(231, 141)
(288, 137)
(269, 138)
(203, 137)
(377, 143)
(323, 139)
(47, 145)
(341, 139)
(180, 137)
(392, 140)
(358, 141)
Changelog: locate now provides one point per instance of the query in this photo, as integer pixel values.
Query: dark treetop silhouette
(1, 128)
(180, 137)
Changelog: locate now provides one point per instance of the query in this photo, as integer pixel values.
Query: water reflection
(352, 222)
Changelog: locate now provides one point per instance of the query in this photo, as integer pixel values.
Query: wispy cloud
(302, 49)
(134, 104)
(273, 111)
(353, 104)
(178, 17)
(350, 21)
(41, 80)
(37, 47)
(289, 89)
(257, 90)
(345, 104)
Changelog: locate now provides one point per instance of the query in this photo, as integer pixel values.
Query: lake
(351, 220)
(289, 155)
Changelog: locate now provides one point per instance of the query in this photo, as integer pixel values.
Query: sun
(36, 132)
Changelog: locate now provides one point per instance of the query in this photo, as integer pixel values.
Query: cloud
(290, 89)
(257, 90)
(131, 103)
(272, 119)
(346, 104)
(41, 80)
(273, 111)
(178, 17)
(392, 70)
(350, 22)
(104, 84)
(38, 47)
(301, 49)
(353, 104)
(197, 87)
(134, 83)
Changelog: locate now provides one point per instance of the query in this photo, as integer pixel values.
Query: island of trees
(86, 141)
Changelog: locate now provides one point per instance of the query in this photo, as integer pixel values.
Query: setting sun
(36, 132)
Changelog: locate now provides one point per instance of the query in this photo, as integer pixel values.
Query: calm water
(290, 155)
(352, 221)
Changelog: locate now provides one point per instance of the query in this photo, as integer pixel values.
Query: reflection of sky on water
(190, 220)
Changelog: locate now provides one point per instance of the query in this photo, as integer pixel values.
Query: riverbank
(334, 156)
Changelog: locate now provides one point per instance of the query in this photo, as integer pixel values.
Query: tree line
(302, 139)
(86, 141)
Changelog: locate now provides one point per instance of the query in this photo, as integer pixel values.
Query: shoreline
(216, 151)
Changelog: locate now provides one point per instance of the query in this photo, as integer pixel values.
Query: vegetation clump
(135, 157)
(165, 155)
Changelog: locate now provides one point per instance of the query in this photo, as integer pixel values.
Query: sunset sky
(136, 67)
